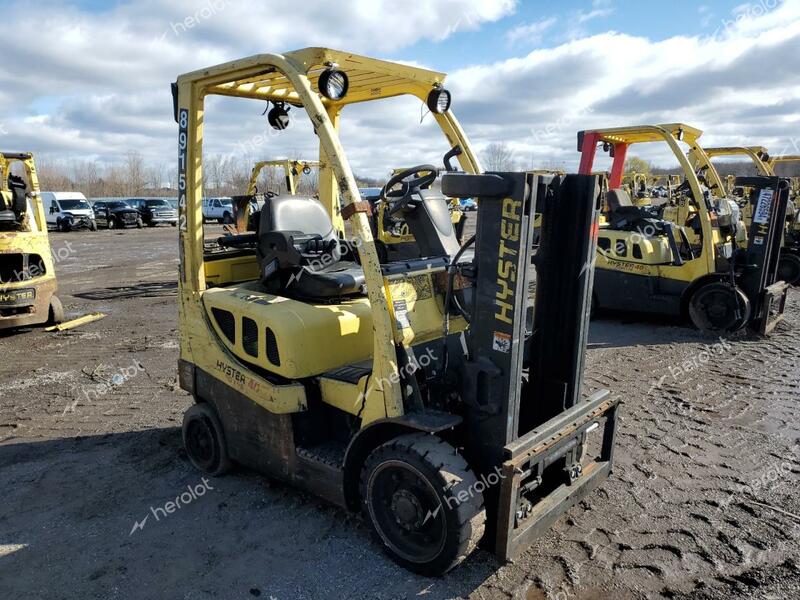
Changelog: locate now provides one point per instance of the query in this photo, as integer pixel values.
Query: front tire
(139, 224)
(424, 503)
(204, 440)
(718, 306)
(227, 219)
(111, 223)
(92, 226)
(789, 268)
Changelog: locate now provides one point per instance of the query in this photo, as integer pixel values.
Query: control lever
(452, 153)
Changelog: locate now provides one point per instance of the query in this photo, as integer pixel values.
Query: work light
(439, 100)
(278, 116)
(333, 84)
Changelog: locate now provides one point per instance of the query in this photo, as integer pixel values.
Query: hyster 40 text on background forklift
(27, 273)
(789, 262)
(646, 261)
(411, 391)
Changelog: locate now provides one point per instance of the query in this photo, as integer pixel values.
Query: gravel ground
(704, 501)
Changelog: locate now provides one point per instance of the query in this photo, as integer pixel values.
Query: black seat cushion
(339, 279)
(304, 274)
(624, 216)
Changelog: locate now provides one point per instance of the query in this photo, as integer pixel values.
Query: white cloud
(97, 85)
(530, 33)
(600, 8)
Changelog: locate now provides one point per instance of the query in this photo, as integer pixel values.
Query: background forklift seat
(626, 216)
(315, 260)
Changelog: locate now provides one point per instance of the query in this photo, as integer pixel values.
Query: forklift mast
(524, 411)
(769, 197)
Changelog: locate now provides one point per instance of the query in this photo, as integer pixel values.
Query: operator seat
(300, 253)
(625, 216)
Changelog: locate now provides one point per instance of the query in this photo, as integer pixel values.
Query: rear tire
(718, 307)
(789, 268)
(55, 313)
(204, 440)
(424, 503)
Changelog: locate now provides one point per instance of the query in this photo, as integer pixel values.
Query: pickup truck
(218, 209)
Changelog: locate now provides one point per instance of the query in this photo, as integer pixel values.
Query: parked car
(467, 204)
(154, 211)
(218, 209)
(67, 211)
(114, 214)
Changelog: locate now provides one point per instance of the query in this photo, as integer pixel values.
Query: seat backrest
(432, 227)
(618, 199)
(296, 213)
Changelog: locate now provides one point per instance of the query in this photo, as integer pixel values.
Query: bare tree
(498, 157)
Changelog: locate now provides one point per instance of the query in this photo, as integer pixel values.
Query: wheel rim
(407, 512)
(201, 443)
(789, 269)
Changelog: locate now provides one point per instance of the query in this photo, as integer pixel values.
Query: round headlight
(333, 84)
(439, 100)
(278, 116)
(307, 170)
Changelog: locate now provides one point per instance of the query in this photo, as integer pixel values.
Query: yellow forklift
(411, 391)
(789, 261)
(292, 171)
(647, 261)
(27, 271)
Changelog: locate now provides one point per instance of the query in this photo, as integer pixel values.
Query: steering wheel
(398, 199)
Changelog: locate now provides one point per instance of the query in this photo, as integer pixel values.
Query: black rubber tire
(92, 226)
(712, 308)
(204, 440)
(55, 313)
(227, 219)
(789, 268)
(139, 224)
(444, 475)
(111, 223)
(64, 226)
(174, 223)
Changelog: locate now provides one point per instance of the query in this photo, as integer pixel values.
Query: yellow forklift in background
(648, 262)
(27, 270)
(789, 261)
(411, 391)
(292, 171)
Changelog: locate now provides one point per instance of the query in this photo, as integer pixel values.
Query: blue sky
(657, 20)
(528, 74)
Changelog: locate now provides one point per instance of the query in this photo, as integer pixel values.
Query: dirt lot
(704, 501)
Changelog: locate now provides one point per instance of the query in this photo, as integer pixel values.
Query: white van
(67, 211)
